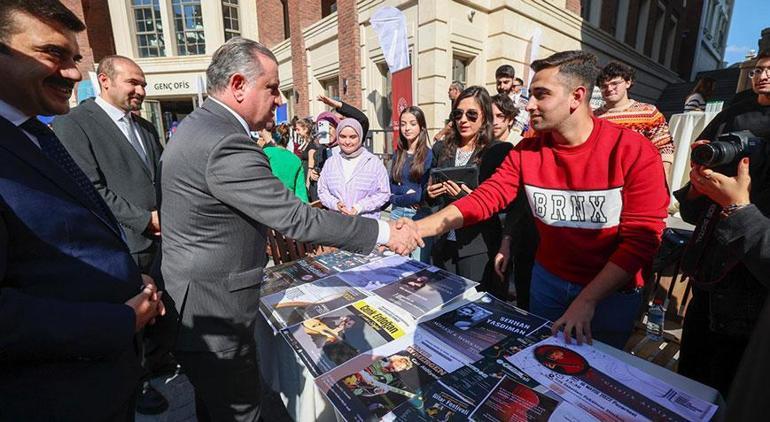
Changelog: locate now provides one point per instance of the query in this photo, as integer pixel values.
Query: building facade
(334, 51)
(329, 47)
(707, 23)
(172, 41)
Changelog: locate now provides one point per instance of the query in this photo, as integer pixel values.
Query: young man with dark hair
(599, 200)
(614, 81)
(504, 113)
(71, 298)
(504, 76)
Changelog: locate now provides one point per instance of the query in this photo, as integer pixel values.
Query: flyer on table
(310, 300)
(325, 342)
(425, 290)
(369, 386)
(606, 387)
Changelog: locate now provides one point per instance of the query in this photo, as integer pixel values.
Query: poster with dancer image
(425, 290)
(606, 387)
(371, 385)
(382, 272)
(310, 300)
(331, 339)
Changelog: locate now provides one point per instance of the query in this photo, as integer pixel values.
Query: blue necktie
(55, 151)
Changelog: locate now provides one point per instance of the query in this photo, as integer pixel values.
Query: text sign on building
(174, 84)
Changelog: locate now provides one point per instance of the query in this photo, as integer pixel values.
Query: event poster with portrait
(425, 290)
(606, 387)
(371, 385)
(481, 324)
(310, 300)
(510, 401)
(325, 342)
(382, 272)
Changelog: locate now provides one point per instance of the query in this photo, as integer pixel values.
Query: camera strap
(693, 264)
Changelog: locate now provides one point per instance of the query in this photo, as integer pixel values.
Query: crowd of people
(119, 258)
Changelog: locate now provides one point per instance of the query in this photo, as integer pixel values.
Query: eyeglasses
(611, 84)
(759, 71)
(472, 115)
(516, 85)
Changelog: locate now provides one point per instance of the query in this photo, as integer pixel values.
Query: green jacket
(287, 167)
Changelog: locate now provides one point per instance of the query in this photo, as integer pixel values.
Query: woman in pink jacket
(353, 182)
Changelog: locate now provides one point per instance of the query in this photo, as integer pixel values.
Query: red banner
(401, 82)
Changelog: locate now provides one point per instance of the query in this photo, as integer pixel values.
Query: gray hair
(457, 85)
(238, 55)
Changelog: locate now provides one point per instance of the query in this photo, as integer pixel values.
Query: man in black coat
(71, 298)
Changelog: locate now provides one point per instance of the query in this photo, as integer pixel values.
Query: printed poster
(371, 385)
(329, 340)
(606, 387)
(425, 290)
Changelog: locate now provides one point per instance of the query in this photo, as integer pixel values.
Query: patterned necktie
(134, 140)
(55, 151)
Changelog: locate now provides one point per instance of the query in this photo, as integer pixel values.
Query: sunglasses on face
(472, 115)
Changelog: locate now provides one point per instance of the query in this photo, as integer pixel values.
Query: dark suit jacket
(219, 198)
(116, 170)
(67, 349)
(485, 236)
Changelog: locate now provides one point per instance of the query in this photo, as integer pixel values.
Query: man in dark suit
(120, 153)
(71, 298)
(219, 198)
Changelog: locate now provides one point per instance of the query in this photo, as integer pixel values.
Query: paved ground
(179, 393)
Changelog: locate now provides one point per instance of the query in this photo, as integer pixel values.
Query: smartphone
(323, 132)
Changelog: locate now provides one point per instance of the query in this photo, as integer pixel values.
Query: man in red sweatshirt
(599, 199)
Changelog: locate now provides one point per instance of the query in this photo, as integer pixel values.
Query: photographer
(730, 280)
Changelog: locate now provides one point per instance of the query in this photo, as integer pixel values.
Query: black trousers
(706, 356)
(227, 386)
(478, 267)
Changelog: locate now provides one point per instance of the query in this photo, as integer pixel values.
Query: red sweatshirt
(604, 200)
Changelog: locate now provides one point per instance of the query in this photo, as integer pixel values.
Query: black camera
(722, 155)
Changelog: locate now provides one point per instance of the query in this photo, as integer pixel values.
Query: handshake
(404, 236)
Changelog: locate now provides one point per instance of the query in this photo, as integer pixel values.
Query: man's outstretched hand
(404, 237)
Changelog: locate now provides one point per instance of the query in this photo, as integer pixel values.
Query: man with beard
(71, 298)
(120, 153)
(508, 84)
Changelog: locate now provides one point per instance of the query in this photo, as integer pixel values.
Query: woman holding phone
(467, 252)
(410, 170)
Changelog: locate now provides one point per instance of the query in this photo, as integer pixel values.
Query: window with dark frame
(231, 19)
(188, 27)
(149, 28)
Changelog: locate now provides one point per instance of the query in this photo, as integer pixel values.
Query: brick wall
(99, 27)
(574, 6)
(270, 18)
(87, 63)
(349, 45)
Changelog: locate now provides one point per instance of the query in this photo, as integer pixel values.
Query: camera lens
(714, 154)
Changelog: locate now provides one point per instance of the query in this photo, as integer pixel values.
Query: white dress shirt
(15, 116)
(117, 116)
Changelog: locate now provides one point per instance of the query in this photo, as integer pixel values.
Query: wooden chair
(283, 249)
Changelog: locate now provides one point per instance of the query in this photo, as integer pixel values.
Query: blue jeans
(550, 296)
(398, 212)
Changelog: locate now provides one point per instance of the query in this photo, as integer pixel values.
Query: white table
(684, 129)
(283, 371)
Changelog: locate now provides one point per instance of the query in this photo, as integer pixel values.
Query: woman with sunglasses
(410, 171)
(466, 251)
